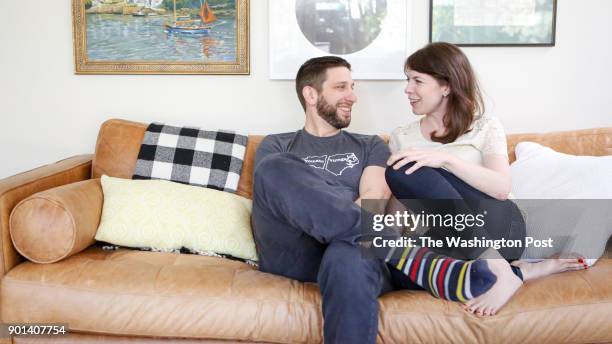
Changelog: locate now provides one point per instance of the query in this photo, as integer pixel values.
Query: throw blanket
(187, 155)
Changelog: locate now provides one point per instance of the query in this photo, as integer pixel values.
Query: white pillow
(542, 173)
(578, 190)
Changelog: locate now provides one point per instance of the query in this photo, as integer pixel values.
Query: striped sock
(444, 277)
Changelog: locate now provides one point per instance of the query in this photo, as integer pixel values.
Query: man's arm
(374, 186)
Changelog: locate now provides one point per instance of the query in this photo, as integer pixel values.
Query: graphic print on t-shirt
(334, 164)
(316, 161)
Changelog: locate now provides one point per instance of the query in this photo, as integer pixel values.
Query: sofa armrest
(18, 187)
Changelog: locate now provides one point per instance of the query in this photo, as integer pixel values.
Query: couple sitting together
(309, 186)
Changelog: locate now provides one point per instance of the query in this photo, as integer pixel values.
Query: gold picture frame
(122, 31)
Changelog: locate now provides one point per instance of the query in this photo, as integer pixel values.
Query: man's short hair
(314, 72)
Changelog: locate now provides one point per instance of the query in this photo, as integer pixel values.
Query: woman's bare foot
(494, 299)
(549, 266)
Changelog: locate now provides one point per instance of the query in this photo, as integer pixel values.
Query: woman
(456, 152)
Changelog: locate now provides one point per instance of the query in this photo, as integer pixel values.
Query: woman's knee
(409, 185)
(395, 177)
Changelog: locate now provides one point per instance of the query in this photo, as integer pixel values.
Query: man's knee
(274, 161)
(273, 167)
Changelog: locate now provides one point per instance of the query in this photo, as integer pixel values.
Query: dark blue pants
(306, 228)
(503, 219)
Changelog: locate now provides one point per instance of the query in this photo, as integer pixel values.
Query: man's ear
(310, 95)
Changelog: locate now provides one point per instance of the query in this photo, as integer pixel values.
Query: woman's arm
(493, 178)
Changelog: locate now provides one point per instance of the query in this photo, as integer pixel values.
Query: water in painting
(161, 30)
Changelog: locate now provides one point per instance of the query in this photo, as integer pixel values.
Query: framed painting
(491, 23)
(161, 36)
(371, 34)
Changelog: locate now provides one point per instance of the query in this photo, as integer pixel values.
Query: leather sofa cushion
(57, 223)
(155, 294)
(129, 292)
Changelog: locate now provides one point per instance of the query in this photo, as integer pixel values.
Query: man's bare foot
(494, 299)
(549, 266)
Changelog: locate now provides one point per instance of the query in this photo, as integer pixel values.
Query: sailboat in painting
(207, 21)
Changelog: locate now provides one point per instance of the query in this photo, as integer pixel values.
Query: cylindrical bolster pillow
(54, 224)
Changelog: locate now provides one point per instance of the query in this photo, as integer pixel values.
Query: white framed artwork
(372, 35)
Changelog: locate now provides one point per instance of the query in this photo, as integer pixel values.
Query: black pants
(443, 192)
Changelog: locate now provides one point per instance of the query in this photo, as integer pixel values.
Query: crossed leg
(306, 229)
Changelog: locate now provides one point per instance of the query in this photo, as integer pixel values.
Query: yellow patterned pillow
(164, 215)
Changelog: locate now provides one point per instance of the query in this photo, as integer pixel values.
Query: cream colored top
(486, 137)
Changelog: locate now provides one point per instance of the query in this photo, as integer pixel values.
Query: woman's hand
(430, 158)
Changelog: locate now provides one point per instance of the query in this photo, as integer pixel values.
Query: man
(307, 192)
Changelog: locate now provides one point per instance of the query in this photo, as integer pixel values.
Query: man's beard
(329, 113)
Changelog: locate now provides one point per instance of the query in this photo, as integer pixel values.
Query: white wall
(48, 113)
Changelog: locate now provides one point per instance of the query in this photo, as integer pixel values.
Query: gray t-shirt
(340, 159)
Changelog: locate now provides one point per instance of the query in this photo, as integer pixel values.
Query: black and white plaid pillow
(193, 156)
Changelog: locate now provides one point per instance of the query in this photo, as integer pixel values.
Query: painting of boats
(203, 25)
(161, 36)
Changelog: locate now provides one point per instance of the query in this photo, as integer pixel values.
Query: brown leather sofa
(148, 297)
